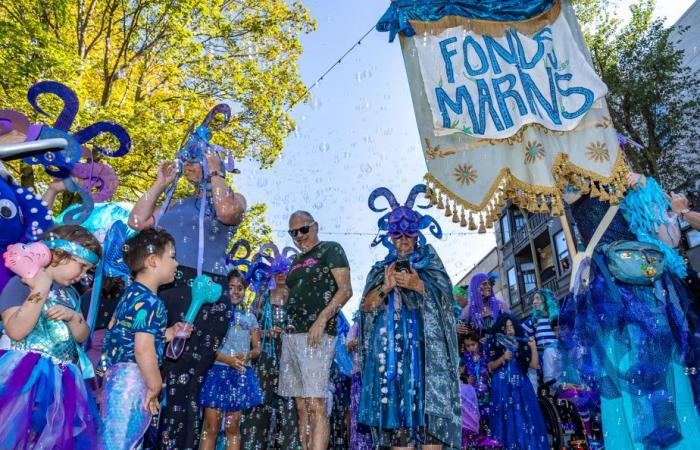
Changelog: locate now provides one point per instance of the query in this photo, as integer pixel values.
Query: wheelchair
(565, 427)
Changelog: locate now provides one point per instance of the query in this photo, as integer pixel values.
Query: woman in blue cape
(410, 385)
(628, 331)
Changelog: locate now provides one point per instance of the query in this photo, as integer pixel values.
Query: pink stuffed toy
(27, 259)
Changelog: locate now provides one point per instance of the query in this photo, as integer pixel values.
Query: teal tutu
(227, 389)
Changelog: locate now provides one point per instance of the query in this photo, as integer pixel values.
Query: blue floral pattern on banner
(396, 18)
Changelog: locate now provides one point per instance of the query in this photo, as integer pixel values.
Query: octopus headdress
(275, 261)
(59, 150)
(242, 263)
(402, 220)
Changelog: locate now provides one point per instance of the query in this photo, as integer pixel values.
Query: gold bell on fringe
(585, 187)
(455, 216)
(440, 205)
(472, 224)
(482, 228)
(427, 192)
(489, 219)
(433, 197)
(543, 205)
(604, 197)
(463, 220)
(532, 204)
(557, 209)
(448, 210)
(594, 190)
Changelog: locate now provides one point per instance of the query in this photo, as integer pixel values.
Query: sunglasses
(303, 230)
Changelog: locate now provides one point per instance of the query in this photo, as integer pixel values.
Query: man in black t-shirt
(319, 286)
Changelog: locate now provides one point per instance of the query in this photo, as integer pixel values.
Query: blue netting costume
(628, 341)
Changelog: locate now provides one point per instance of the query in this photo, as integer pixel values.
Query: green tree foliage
(653, 98)
(156, 67)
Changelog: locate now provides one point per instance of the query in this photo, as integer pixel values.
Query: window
(562, 252)
(529, 277)
(519, 220)
(513, 286)
(505, 228)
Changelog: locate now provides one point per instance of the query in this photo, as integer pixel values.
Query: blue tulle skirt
(516, 420)
(227, 389)
(44, 404)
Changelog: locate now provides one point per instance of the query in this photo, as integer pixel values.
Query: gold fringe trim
(490, 27)
(534, 198)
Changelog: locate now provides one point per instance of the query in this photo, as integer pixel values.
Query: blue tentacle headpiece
(61, 160)
(402, 220)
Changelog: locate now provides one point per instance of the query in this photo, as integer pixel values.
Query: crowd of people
(263, 365)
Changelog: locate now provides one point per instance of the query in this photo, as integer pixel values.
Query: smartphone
(402, 266)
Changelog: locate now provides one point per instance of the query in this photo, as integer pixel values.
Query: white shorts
(304, 371)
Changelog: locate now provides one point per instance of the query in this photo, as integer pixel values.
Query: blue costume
(225, 388)
(401, 400)
(41, 375)
(124, 391)
(629, 339)
(516, 421)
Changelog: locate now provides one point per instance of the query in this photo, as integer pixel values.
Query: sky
(359, 133)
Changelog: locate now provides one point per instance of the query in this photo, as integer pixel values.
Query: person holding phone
(408, 325)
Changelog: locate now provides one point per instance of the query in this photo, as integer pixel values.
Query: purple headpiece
(402, 220)
(63, 160)
(277, 262)
(261, 270)
(476, 302)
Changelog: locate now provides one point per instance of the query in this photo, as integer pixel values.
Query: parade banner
(508, 105)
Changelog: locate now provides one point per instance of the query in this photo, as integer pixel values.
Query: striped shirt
(544, 335)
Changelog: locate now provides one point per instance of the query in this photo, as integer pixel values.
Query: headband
(73, 249)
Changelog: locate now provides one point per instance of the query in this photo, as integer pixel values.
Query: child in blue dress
(231, 385)
(135, 339)
(516, 420)
(44, 401)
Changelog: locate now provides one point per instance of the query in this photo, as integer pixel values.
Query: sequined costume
(629, 341)
(274, 422)
(124, 391)
(45, 402)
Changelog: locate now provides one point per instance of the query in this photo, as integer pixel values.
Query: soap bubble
(324, 146)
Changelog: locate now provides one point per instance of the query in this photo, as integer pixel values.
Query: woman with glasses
(224, 211)
(408, 344)
(319, 286)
